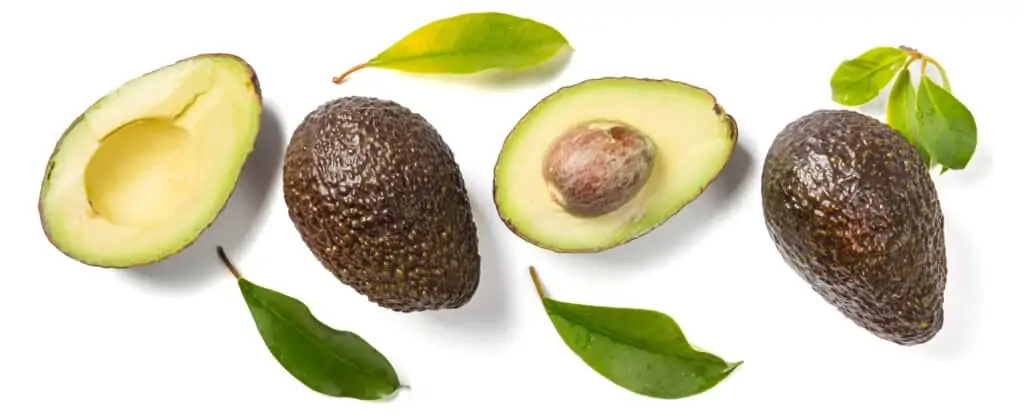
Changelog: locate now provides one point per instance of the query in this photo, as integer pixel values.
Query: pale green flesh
(693, 140)
(149, 166)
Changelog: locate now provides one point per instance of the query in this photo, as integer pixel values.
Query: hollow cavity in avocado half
(602, 162)
(142, 172)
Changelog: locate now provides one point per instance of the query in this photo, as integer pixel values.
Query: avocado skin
(377, 197)
(852, 209)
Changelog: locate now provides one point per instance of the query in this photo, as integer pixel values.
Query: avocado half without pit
(142, 172)
(602, 162)
(378, 198)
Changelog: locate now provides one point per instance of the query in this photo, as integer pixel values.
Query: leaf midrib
(468, 52)
(875, 70)
(600, 330)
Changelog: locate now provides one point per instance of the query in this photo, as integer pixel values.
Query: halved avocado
(599, 163)
(142, 172)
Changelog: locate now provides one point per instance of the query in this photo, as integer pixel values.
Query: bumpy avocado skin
(853, 210)
(377, 197)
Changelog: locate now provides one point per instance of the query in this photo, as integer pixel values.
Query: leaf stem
(942, 73)
(338, 79)
(925, 60)
(536, 282)
(227, 263)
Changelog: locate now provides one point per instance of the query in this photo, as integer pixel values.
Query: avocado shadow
(686, 227)
(977, 172)
(502, 78)
(198, 263)
(488, 312)
(962, 303)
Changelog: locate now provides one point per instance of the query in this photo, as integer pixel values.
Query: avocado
(378, 198)
(851, 207)
(144, 170)
(602, 162)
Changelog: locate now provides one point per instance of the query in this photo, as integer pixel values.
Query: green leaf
(470, 43)
(640, 350)
(945, 127)
(328, 361)
(943, 75)
(856, 81)
(901, 112)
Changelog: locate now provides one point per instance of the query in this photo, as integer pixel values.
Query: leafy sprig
(941, 128)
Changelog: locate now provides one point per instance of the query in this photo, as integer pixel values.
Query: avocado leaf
(901, 113)
(643, 351)
(945, 127)
(328, 361)
(856, 81)
(470, 43)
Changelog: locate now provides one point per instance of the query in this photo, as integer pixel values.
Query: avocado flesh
(850, 206)
(693, 136)
(142, 172)
(377, 197)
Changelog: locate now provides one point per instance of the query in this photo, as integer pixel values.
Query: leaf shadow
(489, 311)
(876, 107)
(962, 303)
(685, 228)
(197, 264)
(509, 79)
(977, 172)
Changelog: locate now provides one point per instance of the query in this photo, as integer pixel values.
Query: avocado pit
(597, 166)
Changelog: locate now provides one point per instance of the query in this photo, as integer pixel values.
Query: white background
(177, 340)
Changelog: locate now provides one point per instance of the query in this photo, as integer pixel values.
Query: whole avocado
(852, 209)
(377, 197)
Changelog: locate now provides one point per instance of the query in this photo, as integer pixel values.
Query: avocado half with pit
(602, 162)
(142, 172)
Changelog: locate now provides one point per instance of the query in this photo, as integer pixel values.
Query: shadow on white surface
(687, 226)
(962, 298)
(488, 312)
(500, 78)
(198, 263)
(876, 107)
(976, 172)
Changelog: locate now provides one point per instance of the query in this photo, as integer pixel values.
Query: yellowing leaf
(470, 43)
(901, 112)
(856, 81)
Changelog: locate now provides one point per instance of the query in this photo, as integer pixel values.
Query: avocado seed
(596, 167)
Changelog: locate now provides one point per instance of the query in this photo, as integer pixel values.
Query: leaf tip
(341, 77)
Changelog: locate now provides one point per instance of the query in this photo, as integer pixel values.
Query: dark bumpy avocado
(376, 195)
(851, 207)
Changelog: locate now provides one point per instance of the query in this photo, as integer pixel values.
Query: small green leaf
(943, 75)
(856, 81)
(945, 127)
(470, 43)
(331, 362)
(901, 112)
(640, 350)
